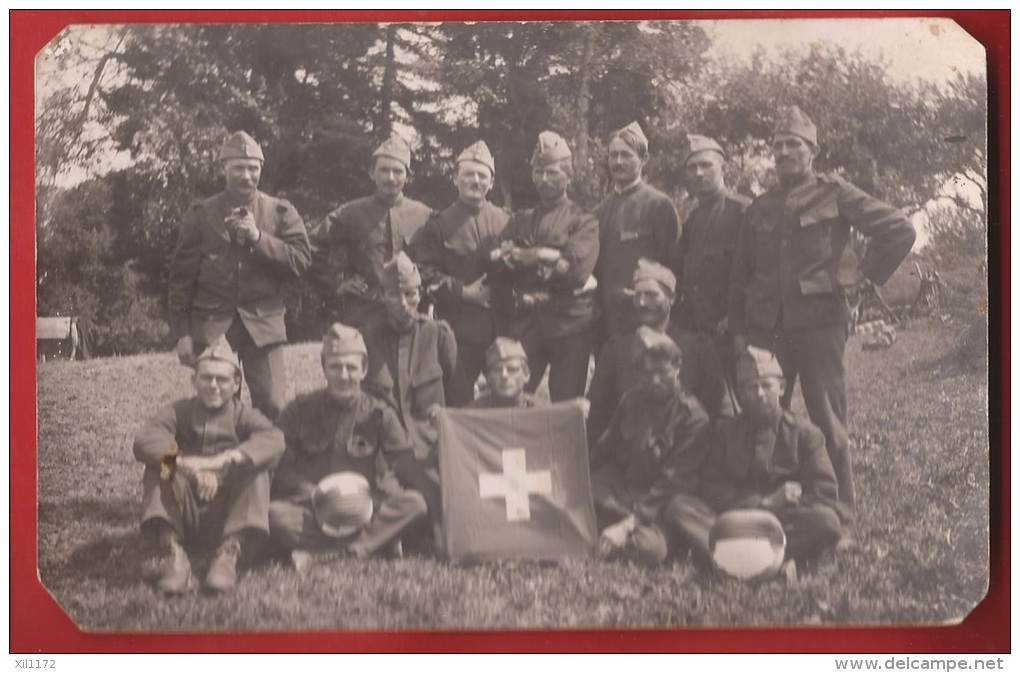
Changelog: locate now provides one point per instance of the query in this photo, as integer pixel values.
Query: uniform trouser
(809, 530)
(470, 362)
(293, 526)
(241, 504)
(566, 357)
(264, 369)
(614, 500)
(816, 356)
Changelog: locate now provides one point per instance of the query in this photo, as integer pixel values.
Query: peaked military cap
(395, 147)
(793, 120)
(503, 349)
(480, 153)
(240, 145)
(551, 147)
(648, 269)
(757, 363)
(400, 272)
(220, 351)
(696, 143)
(341, 339)
(633, 136)
(650, 341)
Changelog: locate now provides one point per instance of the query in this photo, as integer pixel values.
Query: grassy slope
(919, 429)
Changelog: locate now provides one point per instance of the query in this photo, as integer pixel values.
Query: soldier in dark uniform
(706, 248)
(410, 356)
(236, 254)
(784, 293)
(350, 247)
(542, 276)
(344, 429)
(765, 458)
(207, 461)
(701, 375)
(507, 372)
(636, 221)
(653, 450)
(452, 251)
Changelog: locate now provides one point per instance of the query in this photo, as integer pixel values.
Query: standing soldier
(236, 253)
(706, 247)
(637, 220)
(452, 251)
(784, 294)
(351, 245)
(543, 273)
(410, 356)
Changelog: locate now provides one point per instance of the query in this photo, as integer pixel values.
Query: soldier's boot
(175, 577)
(222, 575)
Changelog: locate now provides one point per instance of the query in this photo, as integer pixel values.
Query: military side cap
(748, 544)
(650, 341)
(395, 147)
(221, 351)
(400, 272)
(696, 143)
(757, 363)
(551, 147)
(651, 270)
(793, 120)
(240, 145)
(503, 349)
(341, 339)
(480, 153)
(633, 136)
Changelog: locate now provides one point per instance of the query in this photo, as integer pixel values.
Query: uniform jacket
(212, 279)
(639, 222)
(199, 431)
(700, 375)
(358, 238)
(452, 250)
(657, 447)
(741, 469)
(415, 385)
(705, 258)
(565, 309)
(789, 250)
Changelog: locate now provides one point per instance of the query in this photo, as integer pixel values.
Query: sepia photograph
(513, 325)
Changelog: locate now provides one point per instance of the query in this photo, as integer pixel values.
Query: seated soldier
(653, 449)
(653, 292)
(207, 460)
(342, 429)
(765, 458)
(411, 357)
(507, 372)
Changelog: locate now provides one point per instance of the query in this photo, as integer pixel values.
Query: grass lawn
(919, 432)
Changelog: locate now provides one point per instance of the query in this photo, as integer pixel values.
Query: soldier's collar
(629, 188)
(472, 208)
(386, 203)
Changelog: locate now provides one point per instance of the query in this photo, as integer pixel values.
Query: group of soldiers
(699, 334)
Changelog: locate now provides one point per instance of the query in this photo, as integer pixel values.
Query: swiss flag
(516, 483)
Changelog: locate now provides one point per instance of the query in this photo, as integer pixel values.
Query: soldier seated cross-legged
(207, 460)
(335, 438)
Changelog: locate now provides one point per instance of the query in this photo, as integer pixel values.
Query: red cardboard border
(39, 625)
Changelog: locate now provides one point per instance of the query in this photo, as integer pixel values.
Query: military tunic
(552, 318)
(615, 374)
(409, 369)
(749, 462)
(452, 250)
(358, 238)
(325, 436)
(218, 287)
(785, 297)
(639, 222)
(242, 501)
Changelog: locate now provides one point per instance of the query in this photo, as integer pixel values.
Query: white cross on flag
(515, 483)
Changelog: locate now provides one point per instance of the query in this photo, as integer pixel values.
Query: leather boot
(175, 577)
(222, 574)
